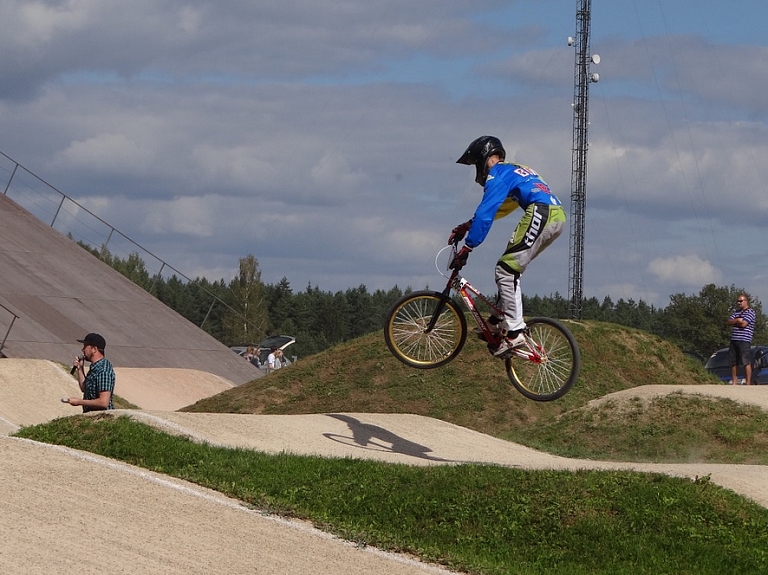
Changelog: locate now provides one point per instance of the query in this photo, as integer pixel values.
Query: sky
(322, 136)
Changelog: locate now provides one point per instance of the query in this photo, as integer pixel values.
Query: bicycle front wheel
(552, 361)
(409, 336)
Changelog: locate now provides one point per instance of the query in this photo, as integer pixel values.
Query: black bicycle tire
(405, 336)
(541, 388)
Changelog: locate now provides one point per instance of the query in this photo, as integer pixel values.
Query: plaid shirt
(101, 377)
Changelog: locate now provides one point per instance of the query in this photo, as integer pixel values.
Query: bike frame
(531, 351)
(468, 294)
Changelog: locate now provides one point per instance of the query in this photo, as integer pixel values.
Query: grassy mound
(473, 391)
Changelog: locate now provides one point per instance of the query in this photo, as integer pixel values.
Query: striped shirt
(743, 333)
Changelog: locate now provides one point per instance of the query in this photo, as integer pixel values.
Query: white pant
(538, 228)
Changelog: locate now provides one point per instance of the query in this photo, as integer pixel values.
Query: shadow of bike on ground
(375, 438)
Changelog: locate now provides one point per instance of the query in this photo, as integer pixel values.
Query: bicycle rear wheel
(553, 361)
(407, 335)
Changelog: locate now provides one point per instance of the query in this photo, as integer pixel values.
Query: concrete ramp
(31, 392)
(61, 292)
(167, 389)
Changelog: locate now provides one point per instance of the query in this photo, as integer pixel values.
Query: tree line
(245, 310)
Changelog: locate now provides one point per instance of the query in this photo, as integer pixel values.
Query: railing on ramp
(69, 217)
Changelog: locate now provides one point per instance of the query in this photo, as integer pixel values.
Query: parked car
(239, 349)
(278, 341)
(719, 364)
(265, 346)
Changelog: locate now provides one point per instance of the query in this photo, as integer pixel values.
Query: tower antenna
(581, 82)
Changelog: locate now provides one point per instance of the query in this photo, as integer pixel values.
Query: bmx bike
(427, 329)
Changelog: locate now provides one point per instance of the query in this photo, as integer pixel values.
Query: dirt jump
(66, 511)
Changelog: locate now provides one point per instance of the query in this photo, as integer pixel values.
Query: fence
(8, 331)
(70, 218)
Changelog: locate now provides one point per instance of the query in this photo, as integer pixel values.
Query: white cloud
(627, 292)
(243, 167)
(334, 171)
(186, 216)
(689, 270)
(34, 24)
(210, 130)
(106, 152)
(189, 20)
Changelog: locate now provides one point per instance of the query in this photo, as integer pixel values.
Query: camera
(80, 358)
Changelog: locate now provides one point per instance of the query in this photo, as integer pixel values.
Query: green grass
(474, 518)
(677, 428)
(472, 391)
(487, 519)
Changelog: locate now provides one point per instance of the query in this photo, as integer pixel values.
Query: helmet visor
(467, 158)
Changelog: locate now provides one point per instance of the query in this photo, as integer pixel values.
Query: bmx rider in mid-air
(507, 186)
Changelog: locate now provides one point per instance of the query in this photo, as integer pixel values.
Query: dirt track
(153, 524)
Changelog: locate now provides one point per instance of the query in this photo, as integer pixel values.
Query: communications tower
(581, 81)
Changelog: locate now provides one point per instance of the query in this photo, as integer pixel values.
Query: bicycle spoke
(407, 334)
(409, 331)
(549, 368)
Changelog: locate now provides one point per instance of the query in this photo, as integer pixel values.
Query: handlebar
(454, 250)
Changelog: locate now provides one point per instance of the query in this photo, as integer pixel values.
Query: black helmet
(477, 154)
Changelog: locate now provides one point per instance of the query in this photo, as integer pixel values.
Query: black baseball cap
(95, 340)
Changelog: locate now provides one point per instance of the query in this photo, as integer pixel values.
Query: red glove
(460, 259)
(458, 233)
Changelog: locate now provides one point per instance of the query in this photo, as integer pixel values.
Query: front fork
(456, 282)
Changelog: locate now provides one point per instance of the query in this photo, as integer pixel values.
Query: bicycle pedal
(481, 337)
(507, 355)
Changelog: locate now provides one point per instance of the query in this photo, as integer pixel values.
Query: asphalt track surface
(66, 511)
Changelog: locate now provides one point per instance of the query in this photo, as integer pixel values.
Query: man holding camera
(99, 384)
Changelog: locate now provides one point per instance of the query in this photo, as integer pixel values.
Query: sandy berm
(66, 511)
